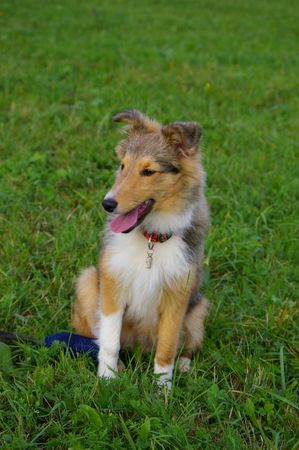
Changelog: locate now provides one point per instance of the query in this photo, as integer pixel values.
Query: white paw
(165, 375)
(164, 383)
(184, 364)
(106, 371)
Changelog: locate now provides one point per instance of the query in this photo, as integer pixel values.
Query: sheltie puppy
(145, 288)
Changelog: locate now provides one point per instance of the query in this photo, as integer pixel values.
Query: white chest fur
(141, 287)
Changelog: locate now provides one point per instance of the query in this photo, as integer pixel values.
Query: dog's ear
(132, 117)
(185, 136)
(137, 121)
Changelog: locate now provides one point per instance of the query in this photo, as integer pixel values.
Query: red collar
(157, 237)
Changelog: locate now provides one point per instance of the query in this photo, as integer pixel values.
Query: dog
(145, 288)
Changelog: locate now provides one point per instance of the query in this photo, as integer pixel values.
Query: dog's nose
(109, 204)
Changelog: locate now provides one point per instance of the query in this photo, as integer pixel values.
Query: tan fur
(108, 292)
(172, 312)
(130, 188)
(143, 334)
(193, 329)
(87, 302)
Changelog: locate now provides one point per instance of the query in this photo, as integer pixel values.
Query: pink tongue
(124, 222)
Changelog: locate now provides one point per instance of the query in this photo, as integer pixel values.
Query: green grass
(66, 67)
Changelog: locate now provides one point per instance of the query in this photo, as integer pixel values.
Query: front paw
(164, 383)
(106, 371)
(165, 375)
(107, 363)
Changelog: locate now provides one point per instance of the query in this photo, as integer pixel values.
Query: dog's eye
(122, 166)
(147, 172)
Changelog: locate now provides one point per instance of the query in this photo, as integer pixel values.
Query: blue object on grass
(75, 343)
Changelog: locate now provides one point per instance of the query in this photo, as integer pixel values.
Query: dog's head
(159, 169)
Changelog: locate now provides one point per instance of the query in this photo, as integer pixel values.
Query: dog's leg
(172, 311)
(111, 313)
(87, 302)
(193, 332)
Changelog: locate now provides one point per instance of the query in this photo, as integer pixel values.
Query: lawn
(66, 67)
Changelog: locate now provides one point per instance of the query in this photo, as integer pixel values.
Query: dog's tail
(14, 338)
(86, 304)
